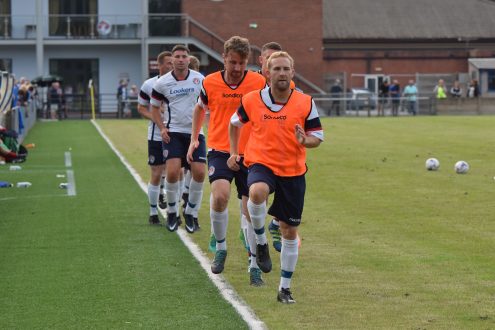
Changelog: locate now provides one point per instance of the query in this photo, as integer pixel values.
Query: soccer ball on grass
(432, 164)
(461, 167)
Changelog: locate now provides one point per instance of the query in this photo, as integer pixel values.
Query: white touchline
(71, 183)
(68, 159)
(223, 286)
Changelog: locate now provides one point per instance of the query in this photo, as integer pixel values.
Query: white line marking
(71, 183)
(32, 196)
(220, 282)
(68, 159)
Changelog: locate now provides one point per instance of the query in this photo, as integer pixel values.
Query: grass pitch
(385, 243)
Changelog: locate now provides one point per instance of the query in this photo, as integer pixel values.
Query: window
(72, 18)
(164, 25)
(5, 20)
(6, 64)
(491, 80)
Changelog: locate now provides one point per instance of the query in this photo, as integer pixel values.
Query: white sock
(181, 189)
(257, 212)
(288, 261)
(195, 196)
(172, 191)
(187, 182)
(153, 193)
(219, 222)
(162, 186)
(244, 226)
(251, 238)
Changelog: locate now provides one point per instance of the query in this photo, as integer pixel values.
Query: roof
(466, 20)
(483, 63)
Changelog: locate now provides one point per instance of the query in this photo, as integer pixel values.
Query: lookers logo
(279, 117)
(181, 91)
(232, 95)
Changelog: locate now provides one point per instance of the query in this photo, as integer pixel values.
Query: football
(461, 167)
(432, 164)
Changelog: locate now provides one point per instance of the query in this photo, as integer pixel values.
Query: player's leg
(287, 206)
(260, 181)
(219, 198)
(196, 185)
(288, 261)
(220, 176)
(172, 190)
(255, 278)
(162, 198)
(173, 152)
(274, 229)
(156, 163)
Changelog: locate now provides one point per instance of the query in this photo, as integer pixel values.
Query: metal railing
(370, 105)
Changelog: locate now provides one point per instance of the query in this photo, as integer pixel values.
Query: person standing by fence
(411, 95)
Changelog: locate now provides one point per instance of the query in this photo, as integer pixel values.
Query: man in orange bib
(284, 122)
(220, 97)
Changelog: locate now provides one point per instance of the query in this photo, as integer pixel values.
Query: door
(76, 74)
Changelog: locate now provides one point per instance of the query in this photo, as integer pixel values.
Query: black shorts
(156, 154)
(179, 144)
(218, 169)
(288, 201)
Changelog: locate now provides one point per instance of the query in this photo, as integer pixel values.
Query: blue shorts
(156, 154)
(179, 144)
(288, 201)
(218, 169)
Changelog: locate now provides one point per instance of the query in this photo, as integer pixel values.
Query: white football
(461, 167)
(432, 164)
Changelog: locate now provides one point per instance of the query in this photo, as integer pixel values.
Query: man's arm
(308, 141)
(143, 111)
(197, 122)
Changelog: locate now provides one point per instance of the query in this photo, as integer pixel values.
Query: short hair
(280, 54)
(193, 63)
(272, 46)
(180, 47)
(162, 55)
(238, 45)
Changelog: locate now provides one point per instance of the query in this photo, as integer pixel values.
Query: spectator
(456, 90)
(411, 95)
(336, 93)
(122, 96)
(394, 91)
(440, 90)
(473, 90)
(55, 100)
(382, 97)
(132, 104)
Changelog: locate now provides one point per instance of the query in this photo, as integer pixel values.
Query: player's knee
(258, 192)
(220, 199)
(288, 231)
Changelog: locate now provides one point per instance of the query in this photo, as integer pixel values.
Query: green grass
(92, 261)
(385, 243)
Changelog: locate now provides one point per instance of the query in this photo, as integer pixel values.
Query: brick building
(359, 39)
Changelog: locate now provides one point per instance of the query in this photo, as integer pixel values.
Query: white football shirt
(180, 97)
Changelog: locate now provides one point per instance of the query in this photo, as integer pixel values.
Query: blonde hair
(278, 55)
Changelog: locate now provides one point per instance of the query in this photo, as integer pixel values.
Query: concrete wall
(23, 59)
